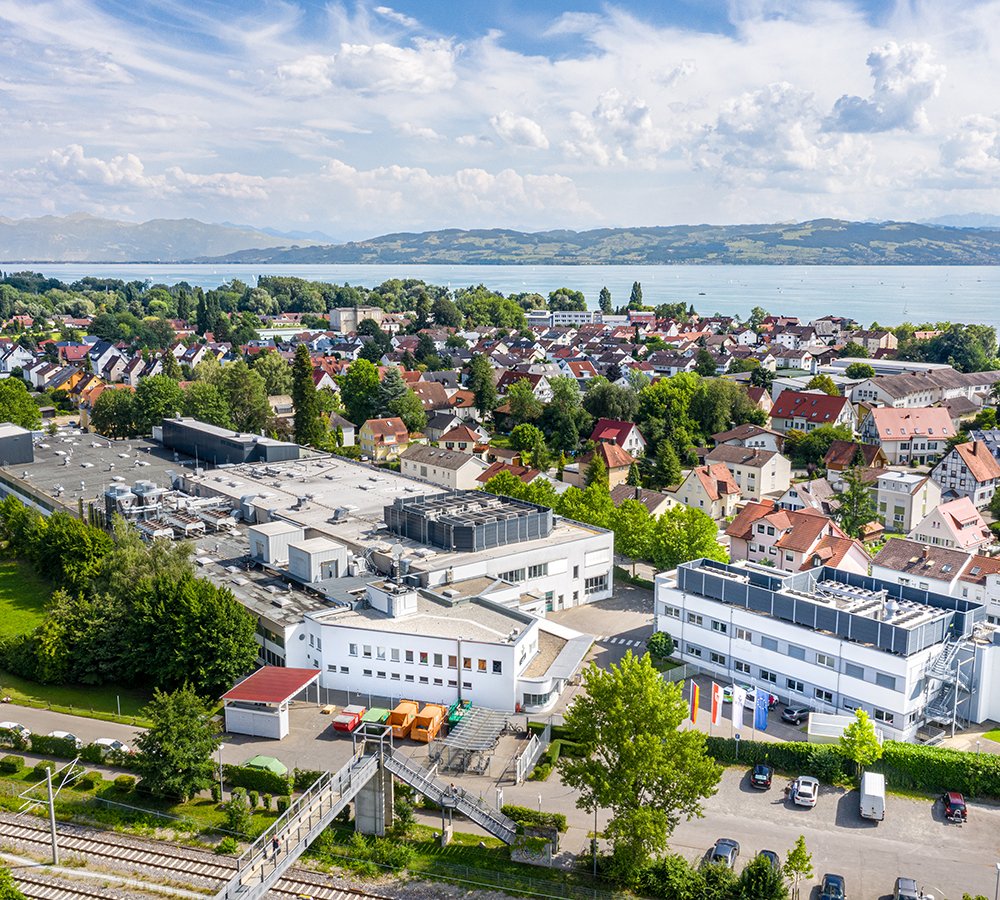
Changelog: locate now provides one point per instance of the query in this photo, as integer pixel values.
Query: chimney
(927, 551)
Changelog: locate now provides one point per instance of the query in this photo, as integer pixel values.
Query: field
(23, 596)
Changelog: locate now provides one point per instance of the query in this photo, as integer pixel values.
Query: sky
(358, 119)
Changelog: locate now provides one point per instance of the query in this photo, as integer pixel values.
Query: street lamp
(221, 747)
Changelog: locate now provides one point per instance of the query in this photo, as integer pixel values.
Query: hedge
(525, 816)
(11, 765)
(12, 740)
(259, 780)
(53, 746)
(303, 779)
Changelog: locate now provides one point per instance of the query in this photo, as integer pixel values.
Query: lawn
(93, 701)
(23, 596)
(993, 735)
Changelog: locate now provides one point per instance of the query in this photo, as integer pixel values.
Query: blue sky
(362, 118)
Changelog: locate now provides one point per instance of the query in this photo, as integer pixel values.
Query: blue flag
(760, 709)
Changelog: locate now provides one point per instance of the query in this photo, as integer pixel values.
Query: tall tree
(684, 533)
(604, 400)
(635, 298)
(859, 370)
(310, 428)
(704, 363)
(668, 467)
(275, 371)
(564, 418)
(635, 760)
(481, 384)
(114, 414)
(859, 742)
(390, 390)
(359, 389)
(203, 401)
(170, 368)
(409, 408)
(823, 383)
(175, 755)
(245, 395)
(157, 398)
(524, 436)
(16, 404)
(567, 299)
(597, 472)
(524, 405)
(857, 506)
(604, 301)
(633, 528)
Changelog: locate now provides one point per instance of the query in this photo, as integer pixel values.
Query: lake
(887, 294)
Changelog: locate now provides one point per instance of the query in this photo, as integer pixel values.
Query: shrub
(827, 763)
(227, 846)
(11, 765)
(389, 853)
(53, 746)
(259, 780)
(283, 803)
(216, 793)
(541, 772)
(254, 799)
(125, 783)
(265, 801)
(303, 779)
(90, 780)
(660, 644)
(40, 768)
(92, 753)
(239, 816)
(530, 817)
(12, 740)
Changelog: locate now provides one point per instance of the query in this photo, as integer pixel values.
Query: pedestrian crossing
(622, 642)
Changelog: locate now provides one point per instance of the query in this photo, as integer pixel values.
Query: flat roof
(272, 684)
(9, 429)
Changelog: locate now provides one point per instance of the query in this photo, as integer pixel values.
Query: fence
(525, 761)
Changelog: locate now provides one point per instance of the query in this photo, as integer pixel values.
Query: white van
(873, 796)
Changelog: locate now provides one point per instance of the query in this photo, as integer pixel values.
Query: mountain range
(84, 238)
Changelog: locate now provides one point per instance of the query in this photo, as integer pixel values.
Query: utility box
(269, 542)
(317, 559)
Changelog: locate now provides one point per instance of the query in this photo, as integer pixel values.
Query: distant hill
(84, 238)
(820, 242)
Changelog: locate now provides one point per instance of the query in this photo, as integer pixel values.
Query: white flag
(739, 699)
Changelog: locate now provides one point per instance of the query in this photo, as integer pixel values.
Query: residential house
(760, 398)
(806, 410)
(757, 472)
(844, 455)
(793, 540)
(440, 423)
(616, 460)
(463, 404)
(655, 501)
(449, 469)
(818, 495)
(908, 435)
(954, 525)
(903, 499)
(382, 439)
(16, 357)
(969, 470)
(345, 427)
(625, 434)
(464, 439)
(873, 341)
(711, 489)
(525, 474)
(540, 386)
(751, 436)
(432, 395)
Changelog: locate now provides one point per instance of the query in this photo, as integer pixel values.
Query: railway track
(204, 869)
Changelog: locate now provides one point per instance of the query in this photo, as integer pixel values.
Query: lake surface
(886, 294)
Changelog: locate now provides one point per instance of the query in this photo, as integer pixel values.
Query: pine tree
(390, 391)
(604, 301)
(634, 477)
(668, 466)
(170, 367)
(481, 384)
(857, 508)
(635, 298)
(309, 428)
(597, 471)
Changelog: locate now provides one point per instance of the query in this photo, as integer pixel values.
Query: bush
(660, 645)
(227, 846)
(11, 765)
(254, 799)
(532, 818)
(216, 793)
(258, 780)
(303, 779)
(124, 783)
(266, 801)
(53, 746)
(90, 780)
(40, 769)
(541, 772)
(389, 853)
(12, 740)
(92, 753)
(239, 816)
(283, 803)
(827, 763)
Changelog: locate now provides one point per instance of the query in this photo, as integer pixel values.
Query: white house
(969, 470)
(446, 468)
(956, 524)
(757, 472)
(910, 434)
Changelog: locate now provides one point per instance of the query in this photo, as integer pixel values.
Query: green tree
(16, 405)
(633, 527)
(823, 383)
(409, 408)
(756, 319)
(634, 476)
(69, 551)
(859, 370)
(524, 437)
(635, 298)
(204, 401)
(174, 755)
(446, 313)
(668, 466)
(684, 533)
(424, 311)
(390, 390)
(277, 374)
(798, 864)
(566, 299)
(853, 350)
(660, 644)
(524, 405)
(132, 559)
(310, 428)
(239, 816)
(597, 472)
(857, 506)
(759, 880)
(859, 742)
(156, 398)
(114, 414)
(8, 888)
(170, 367)
(604, 400)
(564, 418)
(762, 378)
(635, 761)
(246, 396)
(539, 452)
(359, 390)
(604, 301)
(704, 363)
(481, 383)
(810, 448)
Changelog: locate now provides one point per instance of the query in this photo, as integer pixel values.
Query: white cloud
(975, 148)
(127, 170)
(399, 18)
(519, 131)
(421, 132)
(905, 79)
(619, 130)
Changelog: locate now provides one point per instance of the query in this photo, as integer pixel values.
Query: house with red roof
(793, 540)
(616, 460)
(954, 525)
(624, 434)
(806, 410)
(908, 434)
(712, 489)
(969, 470)
(381, 439)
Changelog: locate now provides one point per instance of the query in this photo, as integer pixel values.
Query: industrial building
(214, 446)
(16, 447)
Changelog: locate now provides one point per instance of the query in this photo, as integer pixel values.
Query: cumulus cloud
(975, 148)
(519, 131)
(126, 170)
(387, 12)
(620, 129)
(905, 79)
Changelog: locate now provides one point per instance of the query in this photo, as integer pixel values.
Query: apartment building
(908, 435)
(903, 499)
(757, 472)
(956, 524)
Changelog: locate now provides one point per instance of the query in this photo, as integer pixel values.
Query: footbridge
(365, 780)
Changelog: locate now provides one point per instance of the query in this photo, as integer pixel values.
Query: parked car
(772, 858)
(725, 851)
(761, 776)
(67, 736)
(955, 809)
(16, 727)
(805, 791)
(795, 714)
(906, 889)
(109, 744)
(832, 888)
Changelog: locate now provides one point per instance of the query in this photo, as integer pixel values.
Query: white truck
(873, 796)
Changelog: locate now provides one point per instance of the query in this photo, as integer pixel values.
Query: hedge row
(303, 779)
(53, 746)
(532, 818)
(12, 740)
(259, 780)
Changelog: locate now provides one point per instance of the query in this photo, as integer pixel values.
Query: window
(854, 671)
(367, 673)
(467, 685)
(825, 696)
(694, 651)
(538, 571)
(409, 656)
(768, 676)
(467, 662)
(769, 643)
(720, 627)
(352, 649)
(672, 612)
(694, 619)
(497, 667)
(380, 652)
(438, 682)
(423, 679)
(880, 715)
(424, 656)
(742, 667)
(311, 641)
(344, 670)
(366, 651)
(380, 674)
(452, 662)
(596, 584)
(481, 665)
(394, 655)
(794, 685)
(331, 668)
(394, 676)
(438, 660)
(796, 652)
(886, 681)
(408, 678)
(743, 635)
(718, 659)
(822, 659)
(514, 576)
(452, 683)
(576, 571)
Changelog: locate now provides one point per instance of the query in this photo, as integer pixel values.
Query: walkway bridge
(367, 780)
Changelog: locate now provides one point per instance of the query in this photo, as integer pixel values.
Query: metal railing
(525, 761)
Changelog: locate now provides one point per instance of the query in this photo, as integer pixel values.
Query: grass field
(23, 596)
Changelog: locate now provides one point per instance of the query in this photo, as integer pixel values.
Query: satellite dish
(396, 551)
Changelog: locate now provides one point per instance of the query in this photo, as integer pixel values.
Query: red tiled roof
(982, 465)
(820, 409)
(613, 455)
(612, 430)
(524, 473)
(904, 424)
(716, 479)
(272, 684)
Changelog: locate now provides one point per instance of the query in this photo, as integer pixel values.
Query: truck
(873, 796)
(428, 723)
(401, 718)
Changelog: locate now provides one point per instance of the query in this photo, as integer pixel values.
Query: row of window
(424, 658)
(516, 576)
(395, 676)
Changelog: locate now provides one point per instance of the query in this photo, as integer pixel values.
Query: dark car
(772, 858)
(795, 714)
(761, 776)
(832, 888)
(906, 889)
(955, 809)
(725, 851)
